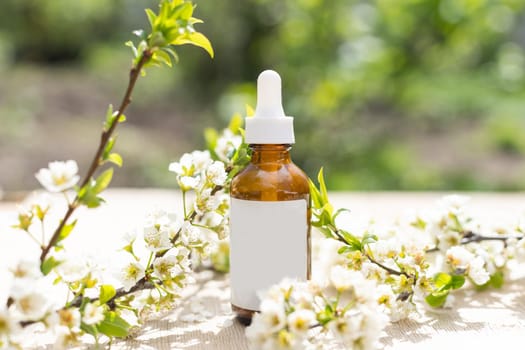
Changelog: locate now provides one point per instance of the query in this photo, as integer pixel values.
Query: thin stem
(34, 239)
(149, 260)
(42, 232)
(386, 268)
(184, 204)
(97, 159)
(472, 237)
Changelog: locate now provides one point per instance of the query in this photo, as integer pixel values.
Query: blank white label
(268, 242)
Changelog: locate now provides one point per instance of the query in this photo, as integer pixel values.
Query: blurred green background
(386, 94)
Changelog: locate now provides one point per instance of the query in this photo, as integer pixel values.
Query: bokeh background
(386, 94)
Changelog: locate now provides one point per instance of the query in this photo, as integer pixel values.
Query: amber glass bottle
(270, 206)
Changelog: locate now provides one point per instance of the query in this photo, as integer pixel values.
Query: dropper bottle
(270, 206)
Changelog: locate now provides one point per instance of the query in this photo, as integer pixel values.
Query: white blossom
(66, 339)
(93, 314)
(301, 320)
(166, 267)
(189, 182)
(26, 269)
(157, 238)
(8, 324)
(459, 257)
(216, 173)
(72, 268)
(69, 318)
(131, 274)
(227, 143)
(477, 271)
(59, 176)
(190, 233)
(184, 166)
(31, 304)
(272, 315)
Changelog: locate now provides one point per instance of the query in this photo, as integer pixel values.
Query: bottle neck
(266, 153)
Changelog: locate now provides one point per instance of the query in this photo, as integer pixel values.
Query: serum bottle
(270, 206)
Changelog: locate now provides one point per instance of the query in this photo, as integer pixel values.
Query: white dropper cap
(269, 125)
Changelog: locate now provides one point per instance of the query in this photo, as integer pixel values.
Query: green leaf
(437, 299)
(322, 187)
(103, 181)
(497, 279)
(66, 230)
(197, 39)
(114, 325)
(339, 211)
(88, 197)
(109, 147)
(89, 329)
(152, 17)
(419, 224)
(163, 57)
(351, 240)
(49, 264)
(368, 238)
(457, 281)
(109, 118)
(315, 194)
(107, 291)
(115, 158)
(172, 53)
(235, 123)
(442, 280)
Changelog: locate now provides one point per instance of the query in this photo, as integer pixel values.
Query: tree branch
(97, 161)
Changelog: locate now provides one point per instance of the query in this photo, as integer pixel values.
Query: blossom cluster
(155, 262)
(305, 315)
(419, 261)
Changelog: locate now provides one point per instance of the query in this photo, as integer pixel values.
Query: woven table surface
(203, 320)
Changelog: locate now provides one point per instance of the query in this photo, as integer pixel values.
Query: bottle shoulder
(274, 181)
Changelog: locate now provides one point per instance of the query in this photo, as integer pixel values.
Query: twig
(386, 268)
(472, 237)
(96, 162)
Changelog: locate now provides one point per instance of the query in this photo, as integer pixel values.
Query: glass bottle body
(272, 176)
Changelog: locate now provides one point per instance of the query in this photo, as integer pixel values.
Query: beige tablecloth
(480, 320)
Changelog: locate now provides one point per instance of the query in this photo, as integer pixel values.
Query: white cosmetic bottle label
(268, 242)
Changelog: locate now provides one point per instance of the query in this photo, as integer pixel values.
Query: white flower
(183, 166)
(191, 164)
(65, 339)
(201, 160)
(72, 268)
(216, 174)
(157, 239)
(447, 238)
(31, 305)
(273, 315)
(477, 272)
(227, 144)
(8, 324)
(206, 202)
(93, 314)
(300, 320)
(459, 257)
(166, 267)
(190, 234)
(26, 269)
(69, 318)
(59, 177)
(454, 202)
(344, 279)
(189, 182)
(131, 274)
